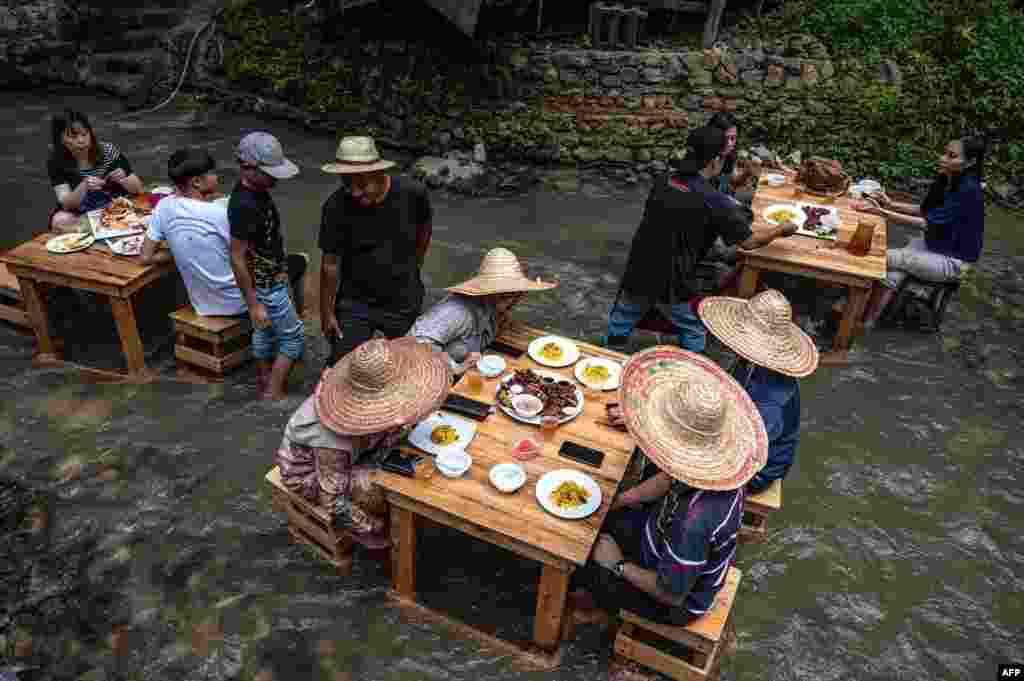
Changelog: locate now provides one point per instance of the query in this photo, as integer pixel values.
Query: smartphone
(585, 455)
(401, 463)
(504, 349)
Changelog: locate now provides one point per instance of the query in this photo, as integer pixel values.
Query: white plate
(420, 435)
(570, 353)
(162, 190)
(549, 482)
(535, 420)
(101, 233)
(614, 373)
(56, 244)
(465, 462)
(798, 220)
(775, 180)
(131, 245)
(508, 477)
(833, 214)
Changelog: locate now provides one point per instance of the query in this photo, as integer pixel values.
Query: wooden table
(817, 259)
(514, 521)
(95, 269)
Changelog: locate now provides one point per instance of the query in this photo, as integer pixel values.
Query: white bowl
(491, 365)
(453, 464)
(527, 405)
(775, 180)
(508, 477)
(870, 186)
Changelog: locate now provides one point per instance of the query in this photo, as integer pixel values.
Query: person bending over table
(773, 353)
(683, 216)
(952, 217)
(474, 313)
(86, 174)
(667, 562)
(363, 406)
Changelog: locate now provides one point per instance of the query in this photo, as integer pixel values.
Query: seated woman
(363, 406)
(952, 217)
(86, 174)
(735, 175)
(465, 322)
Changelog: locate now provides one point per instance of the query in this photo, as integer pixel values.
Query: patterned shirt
(690, 541)
(254, 219)
(71, 175)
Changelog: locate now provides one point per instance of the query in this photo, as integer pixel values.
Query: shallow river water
(139, 541)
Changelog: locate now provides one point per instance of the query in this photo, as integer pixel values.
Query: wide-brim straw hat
(356, 155)
(382, 384)
(500, 272)
(692, 419)
(761, 330)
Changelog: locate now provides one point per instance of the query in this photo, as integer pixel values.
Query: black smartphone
(466, 406)
(591, 457)
(401, 463)
(504, 349)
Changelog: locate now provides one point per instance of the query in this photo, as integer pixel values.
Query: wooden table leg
(37, 315)
(851, 316)
(551, 595)
(748, 281)
(128, 330)
(403, 552)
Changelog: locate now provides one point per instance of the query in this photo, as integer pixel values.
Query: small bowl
(527, 405)
(870, 186)
(508, 477)
(491, 366)
(775, 180)
(453, 464)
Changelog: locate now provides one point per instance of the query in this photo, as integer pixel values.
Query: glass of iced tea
(548, 426)
(474, 382)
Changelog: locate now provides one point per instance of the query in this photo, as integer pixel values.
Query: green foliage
(271, 47)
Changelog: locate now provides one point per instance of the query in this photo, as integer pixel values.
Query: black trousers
(359, 321)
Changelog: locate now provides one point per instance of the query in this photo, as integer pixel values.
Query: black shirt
(377, 245)
(254, 218)
(682, 218)
(66, 172)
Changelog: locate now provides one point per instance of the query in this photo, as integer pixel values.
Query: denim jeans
(285, 325)
(627, 312)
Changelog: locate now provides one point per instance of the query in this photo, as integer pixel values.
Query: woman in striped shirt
(86, 174)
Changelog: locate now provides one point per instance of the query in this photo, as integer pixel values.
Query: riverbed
(148, 547)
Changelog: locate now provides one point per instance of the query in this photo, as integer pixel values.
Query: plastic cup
(548, 426)
(474, 382)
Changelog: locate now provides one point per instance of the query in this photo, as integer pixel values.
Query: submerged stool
(699, 643)
(12, 306)
(217, 344)
(311, 526)
(757, 508)
(930, 297)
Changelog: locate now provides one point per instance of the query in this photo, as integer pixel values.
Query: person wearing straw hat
(374, 234)
(474, 312)
(774, 352)
(667, 561)
(683, 216)
(362, 407)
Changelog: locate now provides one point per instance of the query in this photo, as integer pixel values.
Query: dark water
(897, 555)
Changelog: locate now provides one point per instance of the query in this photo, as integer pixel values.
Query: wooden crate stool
(216, 344)
(757, 508)
(310, 525)
(12, 306)
(701, 641)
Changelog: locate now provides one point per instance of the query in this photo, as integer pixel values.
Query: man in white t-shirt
(196, 231)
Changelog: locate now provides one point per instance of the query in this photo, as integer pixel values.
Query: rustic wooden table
(95, 269)
(515, 521)
(817, 259)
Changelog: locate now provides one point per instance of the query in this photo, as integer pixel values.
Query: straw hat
(693, 420)
(357, 155)
(761, 330)
(500, 272)
(381, 385)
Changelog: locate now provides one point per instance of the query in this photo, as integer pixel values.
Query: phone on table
(504, 349)
(584, 455)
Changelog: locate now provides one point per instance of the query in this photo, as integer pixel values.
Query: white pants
(915, 259)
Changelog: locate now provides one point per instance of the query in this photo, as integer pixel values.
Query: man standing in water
(374, 234)
(258, 261)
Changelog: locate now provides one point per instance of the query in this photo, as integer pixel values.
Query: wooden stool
(756, 509)
(12, 306)
(217, 344)
(310, 525)
(701, 641)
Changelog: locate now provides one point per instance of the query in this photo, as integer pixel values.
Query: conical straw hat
(500, 272)
(382, 385)
(693, 420)
(761, 330)
(356, 155)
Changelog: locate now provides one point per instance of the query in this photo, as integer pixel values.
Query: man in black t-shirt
(374, 235)
(683, 216)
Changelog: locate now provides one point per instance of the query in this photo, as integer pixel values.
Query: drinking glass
(548, 426)
(474, 382)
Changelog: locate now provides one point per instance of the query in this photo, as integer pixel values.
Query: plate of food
(70, 243)
(822, 221)
(598, 373)
(442, 432)
(784, 212)
(568, 494)
(121, 217)
(130, 245)
(552, 351)
(559, 396)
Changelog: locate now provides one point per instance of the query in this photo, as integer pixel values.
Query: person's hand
(259, 316)
(471, 359)
(788, 228)
(871, 206)
(607, 553)
(613, 413)
(617, 502)
(329, 324)
(93, 184)
(117, 175)
(879, 197)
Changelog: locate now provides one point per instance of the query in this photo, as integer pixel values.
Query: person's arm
(423, 234)
(647, 581)
(257, 312)
(653, 488)
(71, 199)
(607, 554)
(424, 224)
(330, 266)
(122, 174)
(154, 252)
(764, 237)
(910, 218)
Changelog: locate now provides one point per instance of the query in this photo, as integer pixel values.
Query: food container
(775, 180)
(508, 477)
(491, 366)
(526, 449)
(527, 405)
(453, 464)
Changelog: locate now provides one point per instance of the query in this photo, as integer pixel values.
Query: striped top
(690, 541)
(70, 174)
